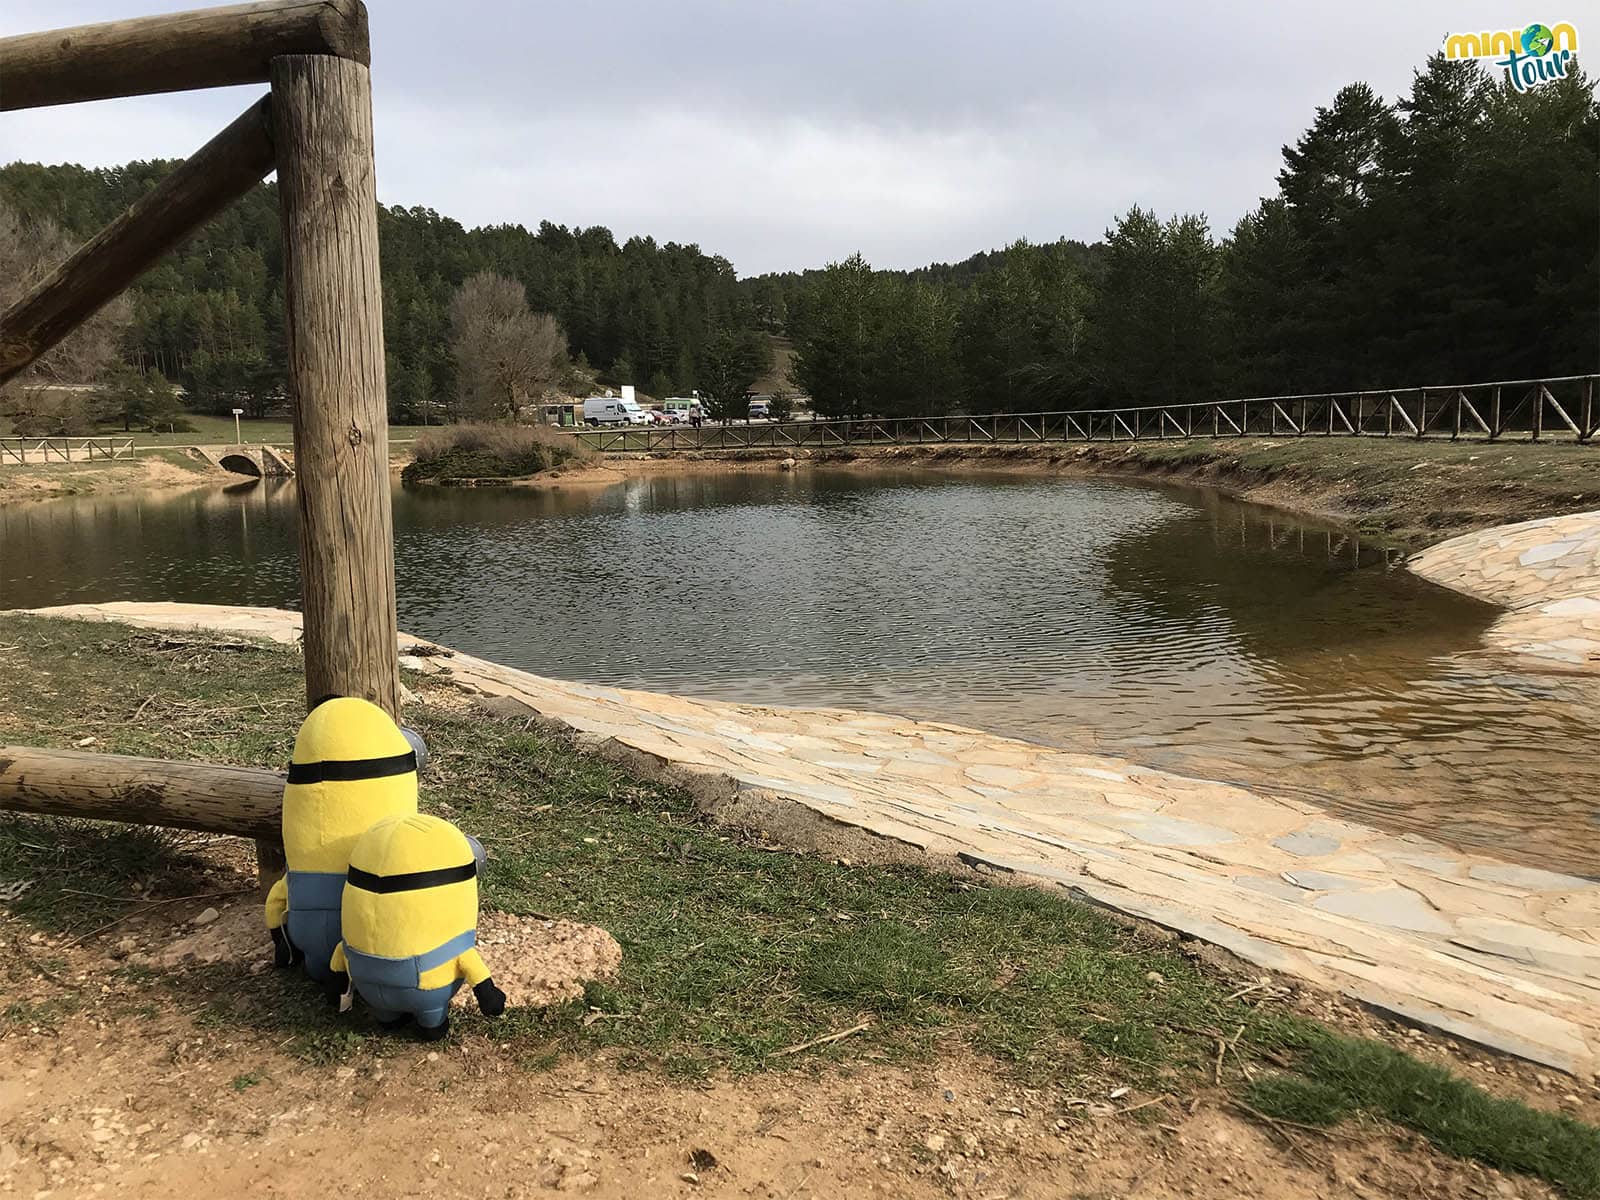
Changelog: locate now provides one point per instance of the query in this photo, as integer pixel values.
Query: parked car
(759, 410)
(612, 410)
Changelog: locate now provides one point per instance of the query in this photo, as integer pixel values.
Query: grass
(732, 949)
(489, 451)
(209, 430)
(1414, 492)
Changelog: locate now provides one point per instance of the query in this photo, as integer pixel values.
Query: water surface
(1171, 627)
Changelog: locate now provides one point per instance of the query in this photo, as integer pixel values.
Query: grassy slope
(732, 948)
(1413, 492)
(43, 481)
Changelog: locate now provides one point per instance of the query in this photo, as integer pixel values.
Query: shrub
(485, 451)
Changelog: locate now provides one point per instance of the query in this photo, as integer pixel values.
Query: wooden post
(333, 321)
(221, 171)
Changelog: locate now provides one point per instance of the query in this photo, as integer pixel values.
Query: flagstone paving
(1545, 572)
(1501, 955)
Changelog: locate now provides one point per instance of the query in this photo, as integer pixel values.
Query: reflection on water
(1177, 629)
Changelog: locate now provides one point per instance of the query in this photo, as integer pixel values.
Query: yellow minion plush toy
(411, 923)
(352, 766)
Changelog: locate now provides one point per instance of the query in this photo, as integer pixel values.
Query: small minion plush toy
(352, 766)
(411, 923)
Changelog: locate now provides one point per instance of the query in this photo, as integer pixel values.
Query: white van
(613, 410)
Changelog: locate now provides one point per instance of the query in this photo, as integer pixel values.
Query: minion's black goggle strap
(412, 882)
(348, 770)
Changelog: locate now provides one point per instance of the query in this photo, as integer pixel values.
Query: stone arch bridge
(255, 461)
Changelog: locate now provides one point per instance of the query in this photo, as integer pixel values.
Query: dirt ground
(140, 1094)
(161, 1108)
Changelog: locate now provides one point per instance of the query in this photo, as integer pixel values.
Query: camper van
(613, 410)
(681, 410)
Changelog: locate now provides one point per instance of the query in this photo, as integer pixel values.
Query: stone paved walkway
(1546, 573)
(1501, 955)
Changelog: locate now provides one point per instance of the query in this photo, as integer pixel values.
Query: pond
(1175, 628)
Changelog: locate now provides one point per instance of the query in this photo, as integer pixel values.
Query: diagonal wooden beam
(210, 47)
(221, 171)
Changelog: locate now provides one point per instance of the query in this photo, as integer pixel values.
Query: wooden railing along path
(1539, 409)
(21, 450)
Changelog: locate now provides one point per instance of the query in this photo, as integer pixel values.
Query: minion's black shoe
(434, 1033)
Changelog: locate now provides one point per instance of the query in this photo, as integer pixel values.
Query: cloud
(783, 133)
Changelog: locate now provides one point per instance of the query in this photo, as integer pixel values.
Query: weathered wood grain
(211, 47)
(333, 318)
(245, 801)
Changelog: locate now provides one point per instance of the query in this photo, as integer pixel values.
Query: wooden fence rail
(245, 801)
(213, 47)
(209, 180)
(24, 450)
(1525, 407)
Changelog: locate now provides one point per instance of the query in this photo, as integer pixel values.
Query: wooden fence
(1538, 409)
(19, 450)
(314, 127)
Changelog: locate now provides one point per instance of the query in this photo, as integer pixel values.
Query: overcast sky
(785, 133)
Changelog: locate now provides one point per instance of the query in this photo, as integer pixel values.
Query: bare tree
(28, 250)
(505, 355)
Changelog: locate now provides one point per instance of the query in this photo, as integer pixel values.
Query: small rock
(1155, 977)
(689, 1177)
(206, 917)
(934, 1143)
(949, 1096)
(190, 1141)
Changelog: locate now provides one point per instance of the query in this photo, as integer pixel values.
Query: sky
(784, 134)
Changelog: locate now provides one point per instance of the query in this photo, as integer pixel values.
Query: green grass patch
(732, 949)
(1296, 1098)
(1343, 1074)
